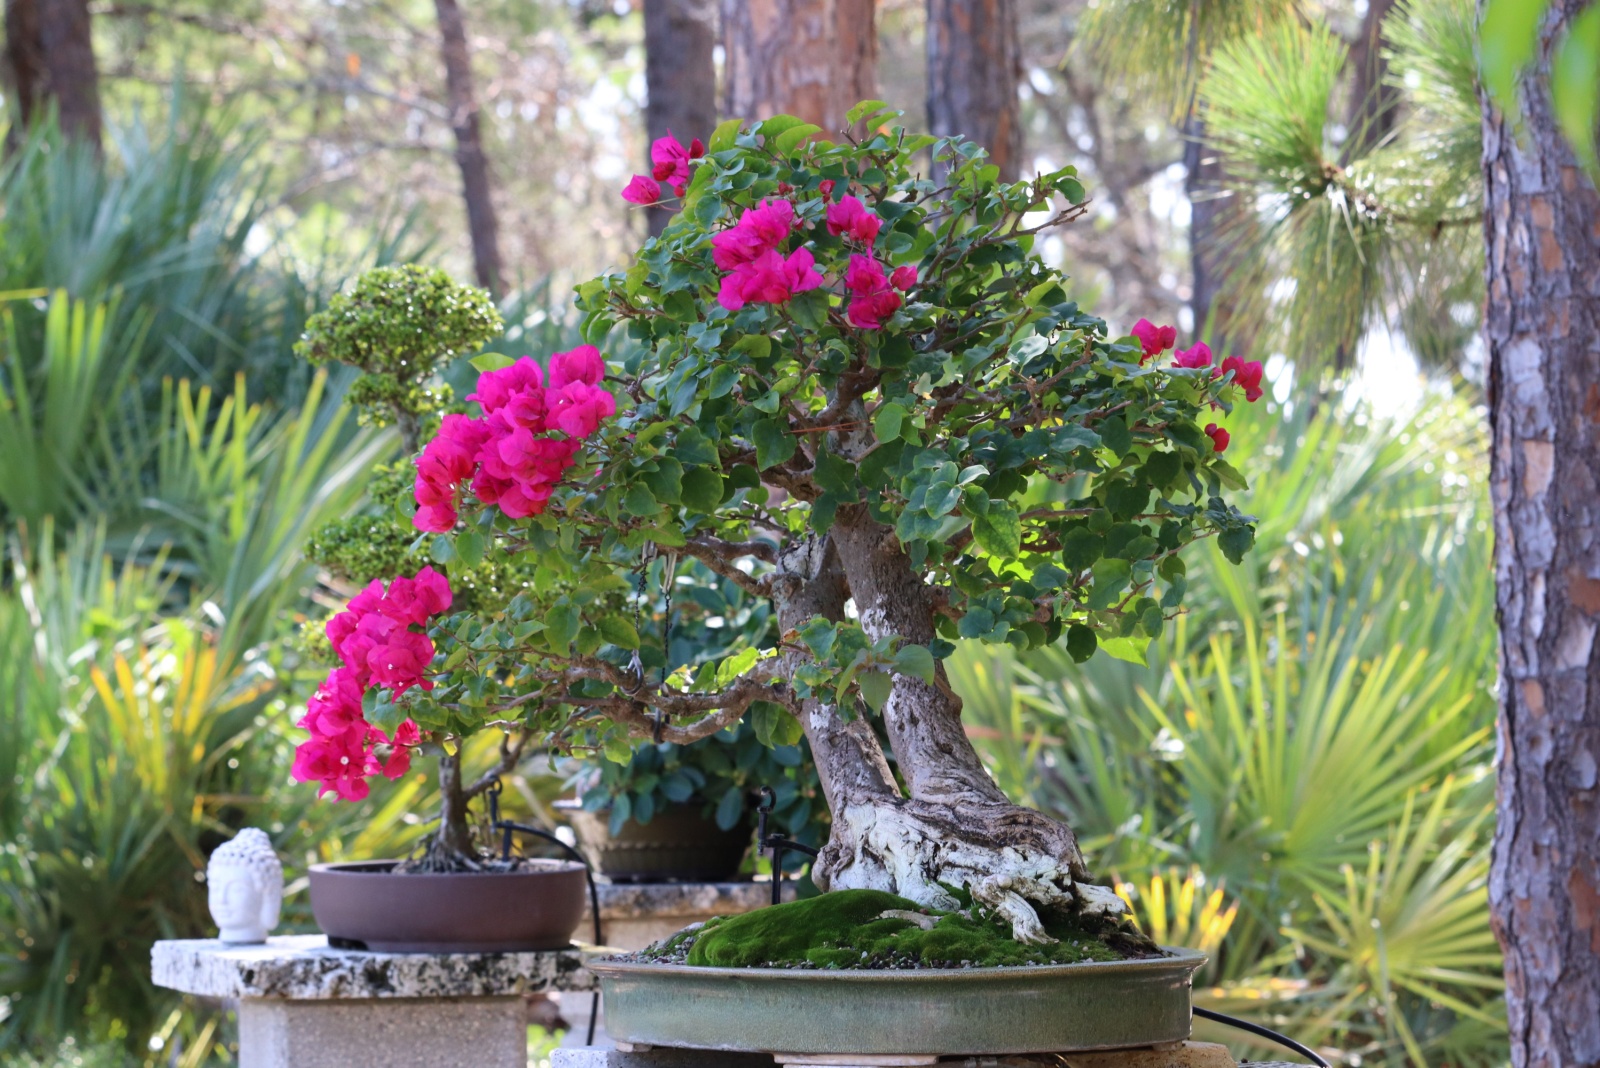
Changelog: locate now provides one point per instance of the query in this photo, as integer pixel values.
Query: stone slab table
(305, 1005)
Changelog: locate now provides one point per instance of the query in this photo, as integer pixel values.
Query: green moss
(843, 930)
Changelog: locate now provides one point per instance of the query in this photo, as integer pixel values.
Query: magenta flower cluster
(509, 454)
(1155, 340)
(378, 645)
(669, 158)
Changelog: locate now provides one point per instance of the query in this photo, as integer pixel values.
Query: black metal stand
(1265, 1032)
(777, 843)
(506, 829)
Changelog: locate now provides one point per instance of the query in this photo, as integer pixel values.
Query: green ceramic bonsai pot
(1051, 1008)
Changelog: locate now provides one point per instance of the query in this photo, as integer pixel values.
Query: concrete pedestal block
(303, 1004)
(394, 1032)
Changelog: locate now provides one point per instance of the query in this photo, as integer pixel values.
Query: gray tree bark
(814, 59)
(974, 68)
(1542, 318)
(680, 75)
(477, 190)
(50, 56)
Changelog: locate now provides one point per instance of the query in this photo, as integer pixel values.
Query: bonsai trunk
(451, 848)
(952, 825)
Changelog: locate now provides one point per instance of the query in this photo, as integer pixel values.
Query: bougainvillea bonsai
(859, 395)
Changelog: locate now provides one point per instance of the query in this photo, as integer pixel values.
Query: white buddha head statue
(244, 884)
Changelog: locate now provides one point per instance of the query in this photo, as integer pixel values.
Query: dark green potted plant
(684, 813)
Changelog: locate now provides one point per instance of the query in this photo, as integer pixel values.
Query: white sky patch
(1387, 378)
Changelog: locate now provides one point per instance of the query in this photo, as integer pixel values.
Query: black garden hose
(1265, 1032)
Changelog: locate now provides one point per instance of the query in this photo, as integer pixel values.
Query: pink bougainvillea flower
(411, 601)
(579, 408)
(771, 278)
(1198, 356)
(398, 662)
(642, 190)
(849, 217)
(872, 299)
(904, 278)
(1246, 375)
(583, 364)
(670, 161)
(495, 388)
(336, 706)
(1219, 437)
(1155, 339)
(758, 230)
(825, 187)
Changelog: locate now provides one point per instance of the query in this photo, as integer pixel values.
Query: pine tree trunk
(470, 157)
(1202, 184)
(811, 58)
(974, 68)
(50, 53)
(680, 75)
(1543, 316)
(1372, 100)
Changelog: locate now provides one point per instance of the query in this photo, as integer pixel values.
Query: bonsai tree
(860, 396)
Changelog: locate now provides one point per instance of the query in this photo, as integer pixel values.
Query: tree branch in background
(474, 164)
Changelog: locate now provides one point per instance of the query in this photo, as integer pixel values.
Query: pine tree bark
(1203, 185)
(477, 190)
(680, 37)
(814, 59)
(50, 56)
(1372, 100)
(1543, 315)
(974, 68)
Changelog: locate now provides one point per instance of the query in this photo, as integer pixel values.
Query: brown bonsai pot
(537, 907)
(680, 844)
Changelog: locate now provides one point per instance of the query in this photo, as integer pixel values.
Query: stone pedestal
(304, 1005)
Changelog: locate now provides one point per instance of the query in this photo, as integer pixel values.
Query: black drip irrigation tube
(1264, 1032)
(506, 829)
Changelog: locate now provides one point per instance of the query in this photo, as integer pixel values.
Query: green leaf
(1506, 43)
(490, 361)
(819, 635)
(1575, 85)
(442, 550)
(774, 443)
(1080, 548)
(1135, 650)
(619, 632)
(1111, 577)
(887, 420)
(666, 482)
(1236, 542)
(1081, 642)
(1228, 474)
(730, 810)
(864, 110)
(875, 689)
(915, 660)
(810, 309)
(469, 548)
(702, 489)
(1000, 531)
(681, 306)
(1114, 433)
(694, 448)
(562, 626)
(640, 501)
(789, 140)
(755, 346)
(725, 136)
(835, 474)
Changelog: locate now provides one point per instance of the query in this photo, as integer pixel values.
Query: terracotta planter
(462, 912)
(678, 845)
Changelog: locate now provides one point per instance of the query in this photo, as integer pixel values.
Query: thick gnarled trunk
(1543, 315)
(956, 828)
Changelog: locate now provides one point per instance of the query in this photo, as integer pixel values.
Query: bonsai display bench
(303, 1004)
